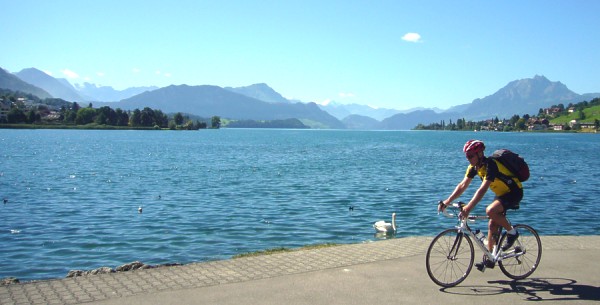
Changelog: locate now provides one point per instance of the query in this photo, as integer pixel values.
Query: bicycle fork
(454, 250)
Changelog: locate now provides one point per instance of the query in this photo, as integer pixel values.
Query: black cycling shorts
(511, 200)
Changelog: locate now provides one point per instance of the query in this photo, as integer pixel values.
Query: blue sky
(392, 54)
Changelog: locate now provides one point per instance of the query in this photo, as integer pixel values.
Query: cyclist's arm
(460, 188)
(485, 185)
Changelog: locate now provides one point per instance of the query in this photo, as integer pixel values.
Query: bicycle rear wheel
(449, 258)
(524, 257)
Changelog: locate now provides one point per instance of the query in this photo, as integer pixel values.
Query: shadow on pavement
(535, 289)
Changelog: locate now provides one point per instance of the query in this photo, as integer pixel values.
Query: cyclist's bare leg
(492, 227)
(497, 218)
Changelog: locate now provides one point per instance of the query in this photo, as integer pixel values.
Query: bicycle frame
(496, 254)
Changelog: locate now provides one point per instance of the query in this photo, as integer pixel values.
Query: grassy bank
(283, 249)
(64, 126)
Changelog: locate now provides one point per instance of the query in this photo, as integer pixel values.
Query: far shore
(110, 127)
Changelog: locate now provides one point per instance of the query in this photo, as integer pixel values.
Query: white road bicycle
(451, 254)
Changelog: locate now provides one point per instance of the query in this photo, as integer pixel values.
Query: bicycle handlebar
(458, 206)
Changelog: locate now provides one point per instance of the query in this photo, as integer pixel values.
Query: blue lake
(73, 195)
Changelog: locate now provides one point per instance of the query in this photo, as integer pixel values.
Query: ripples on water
(73, 196)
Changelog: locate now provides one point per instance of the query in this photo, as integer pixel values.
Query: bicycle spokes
(450, 258)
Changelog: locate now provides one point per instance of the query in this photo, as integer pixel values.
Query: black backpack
(513, 162)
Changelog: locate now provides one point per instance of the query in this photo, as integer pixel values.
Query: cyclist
(508, 190)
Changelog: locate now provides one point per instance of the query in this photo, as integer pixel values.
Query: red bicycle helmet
(473, 146)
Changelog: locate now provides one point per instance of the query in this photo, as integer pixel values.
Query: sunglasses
(471, 156)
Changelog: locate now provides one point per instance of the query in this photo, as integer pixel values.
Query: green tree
(70, 116)
(122, 117)
(85, 116)
(101, 119)
(460, 124)
(514, 119)
(16, 115)
(216, 122)
(160, 119)
(147, 117)
(178, 118)
(31, 116)
(520, 124)
(106, 115)
(135, 118)
(189, 125)
(200, 125)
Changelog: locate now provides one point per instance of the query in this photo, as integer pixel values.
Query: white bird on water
(386, 227)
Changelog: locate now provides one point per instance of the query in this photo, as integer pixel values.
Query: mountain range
(86, 92)
(261, 102)
(94, 93)
(208, 101)
(520, 97)
(14, 83)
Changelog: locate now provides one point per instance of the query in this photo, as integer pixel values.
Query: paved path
(382, 271)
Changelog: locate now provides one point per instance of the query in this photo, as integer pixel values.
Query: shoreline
(137, 265)
(394, 270)
(111, 127)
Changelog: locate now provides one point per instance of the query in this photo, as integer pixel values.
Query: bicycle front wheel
(450, 258)
(524, 257)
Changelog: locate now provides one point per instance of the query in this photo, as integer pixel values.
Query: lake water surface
(73, 195)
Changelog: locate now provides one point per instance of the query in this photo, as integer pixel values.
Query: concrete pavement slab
(383, 271)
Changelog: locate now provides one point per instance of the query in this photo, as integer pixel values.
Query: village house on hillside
(4, 109)
(537, 124)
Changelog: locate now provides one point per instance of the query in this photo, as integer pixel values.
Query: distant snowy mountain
(341, 111)
(87, 92)
(56, 87)
(109, 94)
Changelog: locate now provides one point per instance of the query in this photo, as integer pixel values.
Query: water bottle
(480, 236)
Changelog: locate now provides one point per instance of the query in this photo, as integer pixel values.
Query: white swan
(386, 227)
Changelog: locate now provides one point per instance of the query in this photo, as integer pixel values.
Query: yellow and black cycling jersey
(503, 181)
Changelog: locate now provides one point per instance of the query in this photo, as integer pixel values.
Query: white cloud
(165, 74)
(101, 74)
(70, 74)
(412, 37)
(347, 95)
(48, 72)
(136, 70)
